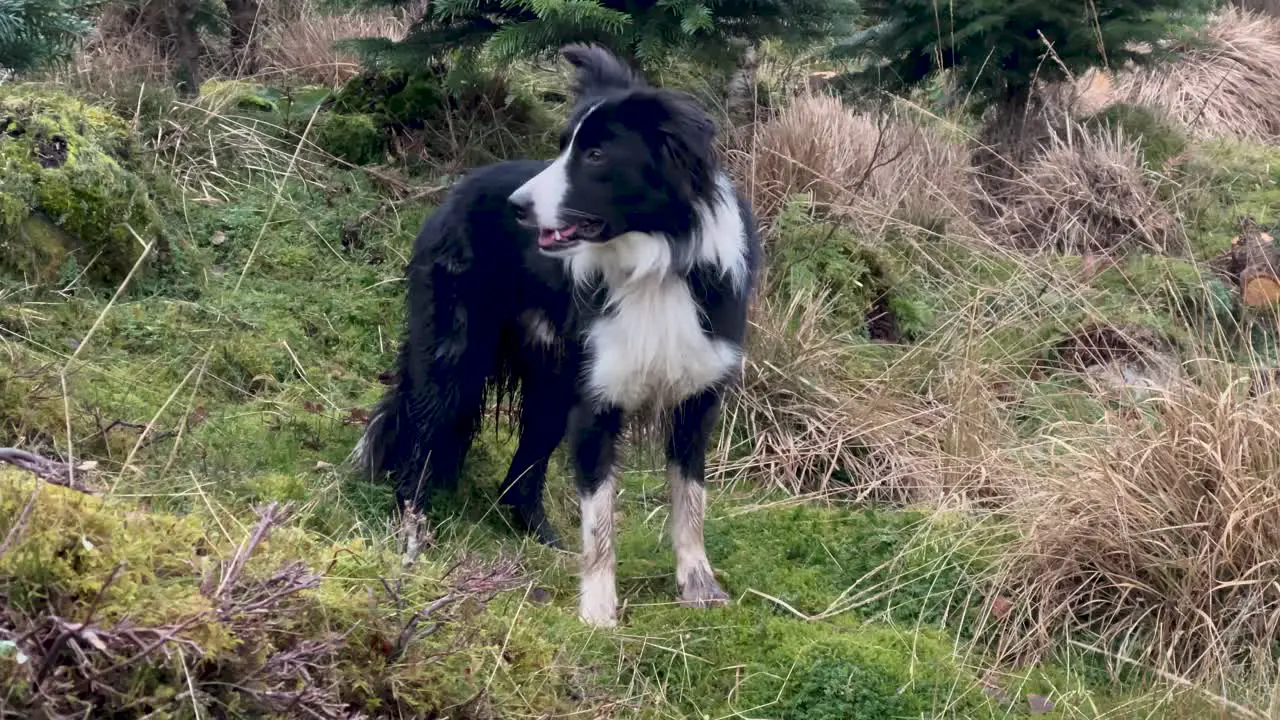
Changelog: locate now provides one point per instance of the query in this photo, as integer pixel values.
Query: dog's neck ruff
(718, 242)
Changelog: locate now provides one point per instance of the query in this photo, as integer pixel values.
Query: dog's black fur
(506, 295)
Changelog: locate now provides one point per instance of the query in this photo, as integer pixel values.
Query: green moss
(143, 570)
(1226, 180)
(73, 167)
(867, 293)
(356, 138)
(237, 94)
(1178, 292)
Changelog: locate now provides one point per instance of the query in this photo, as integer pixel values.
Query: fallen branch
(51, 471)
(270, 516)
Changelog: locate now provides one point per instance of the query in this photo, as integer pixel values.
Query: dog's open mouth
(569, 235)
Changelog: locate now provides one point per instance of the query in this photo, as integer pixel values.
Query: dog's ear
(597, 70)
(684, 134)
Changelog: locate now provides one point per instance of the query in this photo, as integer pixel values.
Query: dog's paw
(535, 523)
(598, 602)
(701, 590)
(602, 620)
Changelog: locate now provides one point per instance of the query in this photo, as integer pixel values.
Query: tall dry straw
(306, 45)
(868, 167)
(1227, 84)
(817, 416)
(1157, 532)
(808, 427)
(1084, 191)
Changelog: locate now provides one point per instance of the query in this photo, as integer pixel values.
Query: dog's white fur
(598, 599)
(649, 349)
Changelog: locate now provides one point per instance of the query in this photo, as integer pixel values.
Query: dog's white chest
(651, 350)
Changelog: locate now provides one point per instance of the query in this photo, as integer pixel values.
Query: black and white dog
(610, 282)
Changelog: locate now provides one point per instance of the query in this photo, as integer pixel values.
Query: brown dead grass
(865, 167)
(810, 429)
(305, 46)
(1084, 192)
(299, 42)
(1158, 533)
(817, 418)
(1227, 86)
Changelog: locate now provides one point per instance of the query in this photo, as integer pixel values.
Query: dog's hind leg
(690, 430)
(544, 413)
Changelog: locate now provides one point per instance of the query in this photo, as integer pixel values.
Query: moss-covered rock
(356, 138)
(71, 197)
(866, 292)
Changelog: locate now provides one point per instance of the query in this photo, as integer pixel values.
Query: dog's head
(633, 159)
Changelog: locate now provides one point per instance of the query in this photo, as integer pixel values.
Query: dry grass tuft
(809, 429)
(864, 166)
(1229, 85)
(811, 423)
(305, 45)
(1084, 192)
(1158, 534)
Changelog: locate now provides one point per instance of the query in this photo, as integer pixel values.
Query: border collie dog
(607, 284)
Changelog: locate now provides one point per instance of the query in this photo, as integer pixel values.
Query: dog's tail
(450, 356)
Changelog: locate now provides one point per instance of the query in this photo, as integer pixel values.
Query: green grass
(249, 387)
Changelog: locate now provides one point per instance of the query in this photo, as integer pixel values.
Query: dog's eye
(595, 156)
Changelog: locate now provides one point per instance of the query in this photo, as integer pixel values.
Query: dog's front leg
(691, 429)
(594, 438)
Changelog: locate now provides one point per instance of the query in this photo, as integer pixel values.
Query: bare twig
(270, 516)
(20, 523)
(71, 629)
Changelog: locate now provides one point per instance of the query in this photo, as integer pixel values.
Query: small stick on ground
(54, 473)
(272, 515)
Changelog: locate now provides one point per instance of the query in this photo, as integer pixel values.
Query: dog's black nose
(522, 206)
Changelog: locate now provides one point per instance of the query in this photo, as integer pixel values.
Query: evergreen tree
(997, 49)
(35, 33)
(649, 30)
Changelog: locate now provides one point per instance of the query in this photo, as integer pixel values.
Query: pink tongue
(548, 238)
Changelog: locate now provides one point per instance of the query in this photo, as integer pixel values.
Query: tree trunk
(246, 34)
(186, 44)
(1253, 262)
(740, 94)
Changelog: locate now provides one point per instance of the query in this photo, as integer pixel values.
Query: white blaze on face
(598, 602)
(546, 191)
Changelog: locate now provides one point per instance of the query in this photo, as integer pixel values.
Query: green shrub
(650, 30)
(996, 48)
(465, 114)
(40, 32)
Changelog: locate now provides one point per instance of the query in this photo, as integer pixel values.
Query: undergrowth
(995, 453)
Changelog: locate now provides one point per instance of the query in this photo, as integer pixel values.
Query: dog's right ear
(598, 71)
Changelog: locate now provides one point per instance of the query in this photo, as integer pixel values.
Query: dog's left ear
(596, 70)
(685, 135)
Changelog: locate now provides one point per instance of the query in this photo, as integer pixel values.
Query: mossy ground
(240, 382)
